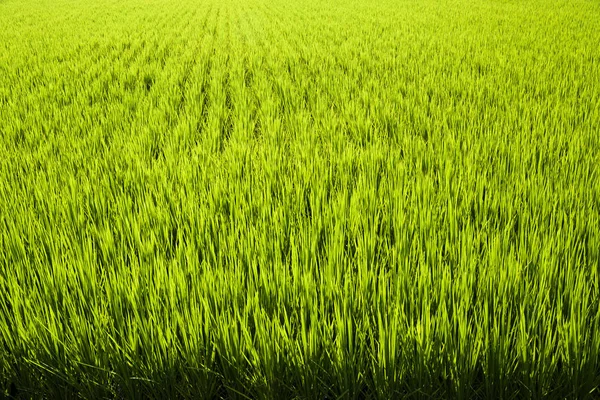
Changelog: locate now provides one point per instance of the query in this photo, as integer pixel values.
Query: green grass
(300, 199)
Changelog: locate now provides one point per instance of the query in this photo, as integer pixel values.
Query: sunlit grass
(380, 199)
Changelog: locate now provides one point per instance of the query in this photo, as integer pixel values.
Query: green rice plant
(380, 199)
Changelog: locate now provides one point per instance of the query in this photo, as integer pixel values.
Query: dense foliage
(300, 199)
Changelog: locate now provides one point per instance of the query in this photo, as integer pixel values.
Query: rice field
(305, 199)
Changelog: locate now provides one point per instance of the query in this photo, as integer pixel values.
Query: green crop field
(299, 199)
